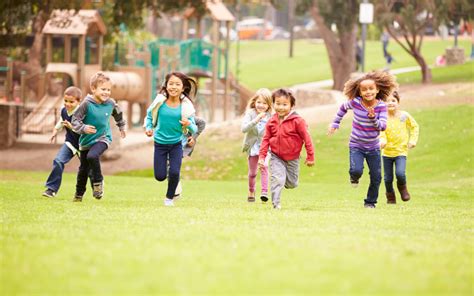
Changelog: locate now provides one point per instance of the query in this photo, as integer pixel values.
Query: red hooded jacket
(286, 138)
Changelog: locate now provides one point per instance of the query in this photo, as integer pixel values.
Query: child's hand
(123, 134)
(309, 163)
(67, 124)
(191, 142)
(383, 144)
(411, 145)
(331, 130)
(185, 122)
(261, 163)
(371, 112)
(260, 116)
(149, 133)
(53, 137)
(89, 129)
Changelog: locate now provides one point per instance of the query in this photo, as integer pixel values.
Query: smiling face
(174, 87)
(392, 103)
(261, 105)
(368, 90)
(282, 106)
(102, 91)
(70, 102)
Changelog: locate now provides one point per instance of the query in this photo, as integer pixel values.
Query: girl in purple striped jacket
(366, 97)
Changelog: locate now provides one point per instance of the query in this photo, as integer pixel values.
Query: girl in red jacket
(285, 134)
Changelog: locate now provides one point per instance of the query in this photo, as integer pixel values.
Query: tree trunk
(340, 49)
(425, 70)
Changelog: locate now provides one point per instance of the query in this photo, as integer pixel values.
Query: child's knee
(356, 172)
(160, 177)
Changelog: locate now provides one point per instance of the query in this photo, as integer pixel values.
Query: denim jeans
(174, 154)
(55, 177)
(372, 157)
(90, 161)
(400, 168)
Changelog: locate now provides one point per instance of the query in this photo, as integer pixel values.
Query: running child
(366, 96)
(258, 113)
(400, 136)
(92, 122)
(285, 134)
(168, 116)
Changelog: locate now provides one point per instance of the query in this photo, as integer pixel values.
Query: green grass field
(213, 242)
(310, 61)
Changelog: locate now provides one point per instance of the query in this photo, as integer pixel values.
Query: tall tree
(406, 22)
(340, 44)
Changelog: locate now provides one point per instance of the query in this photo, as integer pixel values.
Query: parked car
(254, 28)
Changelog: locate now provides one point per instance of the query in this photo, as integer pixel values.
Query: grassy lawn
(213, 242)
(266, 63)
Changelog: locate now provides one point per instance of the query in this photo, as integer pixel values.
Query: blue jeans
(400, 168)
(90, 164)
(372, 157)
(55, 177)
(174, 154)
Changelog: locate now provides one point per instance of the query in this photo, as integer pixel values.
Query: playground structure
(137, 82)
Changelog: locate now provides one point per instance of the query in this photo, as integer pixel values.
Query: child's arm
(248, 123)
(414, 131)
(201, 125)
(380, 121)
(189, 124)
(308, 142)
(77, 123)
(339, 115)
(119, 120)
(148, 122)
(262, 154)
(383, 139)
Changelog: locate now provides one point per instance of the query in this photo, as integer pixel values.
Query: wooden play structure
(86, 29)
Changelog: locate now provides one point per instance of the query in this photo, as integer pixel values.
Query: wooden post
(227, 81)
(185, 28)
(215, 56)
(23, 87)
(9, 82)
(67, 48)
(100, 45)
(81, 63)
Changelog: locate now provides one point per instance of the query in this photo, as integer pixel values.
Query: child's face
(174, 87)
(70, 102)
(392, 103)
(282, 106)
(368, 90)
(102, 91)
(261, 105)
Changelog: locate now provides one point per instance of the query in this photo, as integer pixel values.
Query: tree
(455, 11)
(340, 45)
(406, 22)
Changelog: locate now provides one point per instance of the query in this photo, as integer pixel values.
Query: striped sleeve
(341, 112)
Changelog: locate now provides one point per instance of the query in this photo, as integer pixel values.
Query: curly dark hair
(284, 93)
(384, 81)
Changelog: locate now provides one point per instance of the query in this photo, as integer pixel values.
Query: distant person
(92, 122)
(168, 120)
(285, 134)
(366, 97)
(259, 111)
(358, 56)
(385, 38)
(440, 60)
(400, 136)
(72, 97)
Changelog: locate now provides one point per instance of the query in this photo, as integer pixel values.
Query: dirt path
(140, 156)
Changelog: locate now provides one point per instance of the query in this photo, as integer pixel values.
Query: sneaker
(49, 193)
(354, 183)
(251, 199)
(98, 190)
(277, 207)
(169, 202)
(264, 198)
(77, 198)
(369, 206)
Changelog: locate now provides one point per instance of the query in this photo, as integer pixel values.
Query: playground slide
(44, 116)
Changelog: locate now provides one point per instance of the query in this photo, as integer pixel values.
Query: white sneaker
(277, 207)
(169, 202)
